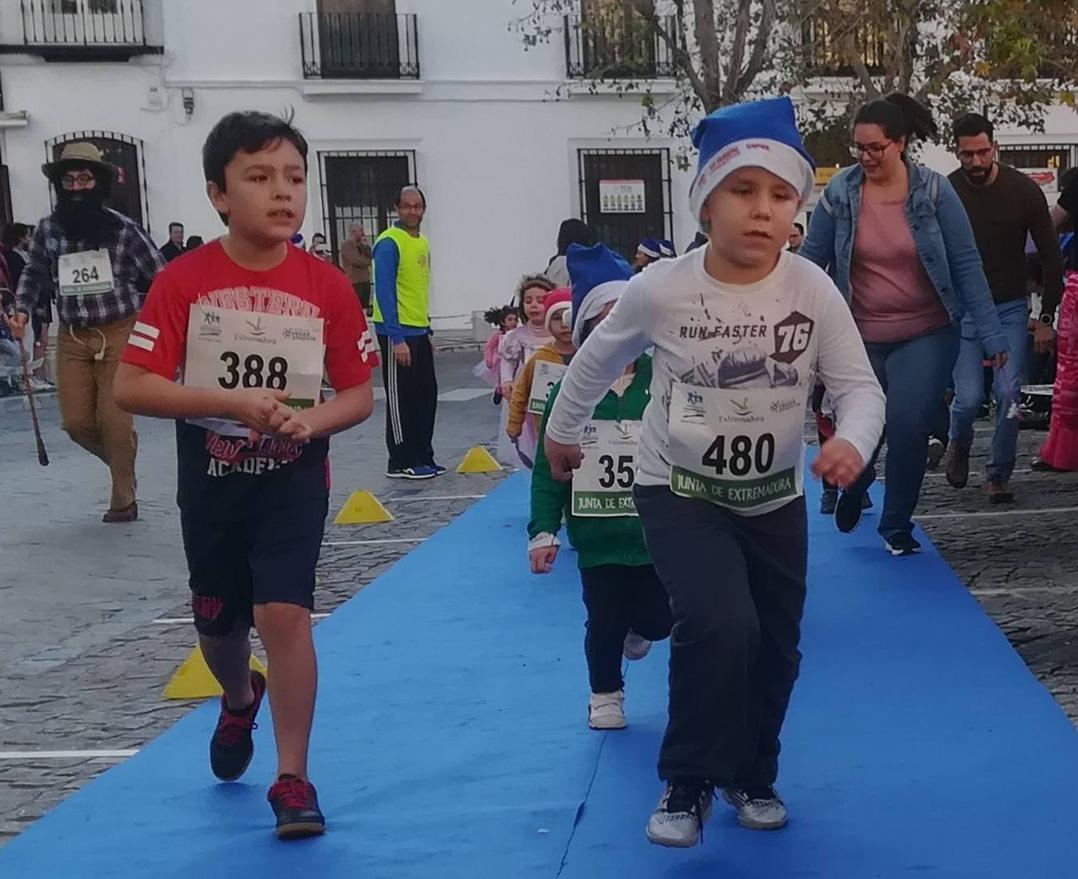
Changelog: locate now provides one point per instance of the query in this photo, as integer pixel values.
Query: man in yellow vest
(402, 320)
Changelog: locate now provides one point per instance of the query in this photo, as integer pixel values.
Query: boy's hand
(543, 559)
(507, 390)
(261, 410)
(563, 459)
(296, 428)
(838, 463)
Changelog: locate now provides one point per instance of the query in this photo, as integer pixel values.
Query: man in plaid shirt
(98, 265)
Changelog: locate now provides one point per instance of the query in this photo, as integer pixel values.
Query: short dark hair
(247, 132)
(174, 224)
(573, 231)
(800, 228)
(971, 125)
(14, 233)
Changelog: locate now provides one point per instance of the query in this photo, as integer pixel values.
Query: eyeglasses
(872, 150)
(70, 181)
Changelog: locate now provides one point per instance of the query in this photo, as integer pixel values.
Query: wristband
(543, 540)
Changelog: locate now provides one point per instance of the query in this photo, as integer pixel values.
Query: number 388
(257, 372)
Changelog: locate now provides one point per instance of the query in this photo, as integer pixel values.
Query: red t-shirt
(301, 286)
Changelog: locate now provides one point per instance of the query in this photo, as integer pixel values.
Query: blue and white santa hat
(759, 134)
(667, 249)
(598, 276)
(649, 247)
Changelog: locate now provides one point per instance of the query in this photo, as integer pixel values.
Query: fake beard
(82, 214)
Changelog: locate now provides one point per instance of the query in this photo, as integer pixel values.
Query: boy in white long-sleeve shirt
(740, 330)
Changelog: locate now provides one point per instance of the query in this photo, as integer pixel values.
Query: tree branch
(737, 49)
(681, 56)
(708, 42)
(759, 48)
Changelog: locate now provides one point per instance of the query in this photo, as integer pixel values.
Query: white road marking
(1018, 511)
(457, 395)
(374, 542)
(1062, 590)
(175, 621)
(65, 755)
(447, 497)
(462, 395)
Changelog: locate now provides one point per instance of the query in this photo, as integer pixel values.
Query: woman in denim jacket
(898, 243)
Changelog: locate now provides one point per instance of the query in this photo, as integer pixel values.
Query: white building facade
(440, 93)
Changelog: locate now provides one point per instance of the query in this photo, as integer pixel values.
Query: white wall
(496, 155)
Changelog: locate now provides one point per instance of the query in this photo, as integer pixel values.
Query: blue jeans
(914, 375)
(969, 389)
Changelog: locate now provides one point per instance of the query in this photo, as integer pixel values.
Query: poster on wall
(1046, 178)
(621, 196)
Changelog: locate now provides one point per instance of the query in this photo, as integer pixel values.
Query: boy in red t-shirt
(232, 343)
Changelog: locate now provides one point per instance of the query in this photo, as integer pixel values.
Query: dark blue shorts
(267, 555)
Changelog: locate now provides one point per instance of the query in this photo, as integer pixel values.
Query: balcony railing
(71, 24)
(824, 53)
(617, 47)
(356, 45)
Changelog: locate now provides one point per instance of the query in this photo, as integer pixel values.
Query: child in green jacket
(626, 603)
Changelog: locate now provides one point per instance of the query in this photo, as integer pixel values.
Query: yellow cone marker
(194, 680)
(478, 460)
(362, 508)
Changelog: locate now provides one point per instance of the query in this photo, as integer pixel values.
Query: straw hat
(78, 155)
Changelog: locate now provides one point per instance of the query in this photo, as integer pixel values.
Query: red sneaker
(295, 803)
(232, 747)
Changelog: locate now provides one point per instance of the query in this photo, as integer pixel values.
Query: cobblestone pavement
(94, 620)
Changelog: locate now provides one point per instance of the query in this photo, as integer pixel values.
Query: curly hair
(496, 316)
(527, 283)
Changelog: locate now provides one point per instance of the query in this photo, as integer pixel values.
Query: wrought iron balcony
(618, 46)
(71, 30)
(824, 54)
(356, 45)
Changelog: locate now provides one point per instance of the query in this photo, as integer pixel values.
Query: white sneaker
(607, 710)
(678, 821)
(757, 808)
(635, 647)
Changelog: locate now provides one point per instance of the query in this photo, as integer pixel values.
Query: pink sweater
(517, 348)
(892, 297)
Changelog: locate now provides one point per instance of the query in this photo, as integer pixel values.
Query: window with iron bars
(362, 187)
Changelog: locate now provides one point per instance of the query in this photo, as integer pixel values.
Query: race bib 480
(738, 449)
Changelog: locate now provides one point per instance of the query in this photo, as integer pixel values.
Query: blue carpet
(451, 741)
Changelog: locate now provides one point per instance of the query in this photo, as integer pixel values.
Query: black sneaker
(232, 747)
(902, 544)
(828, 501)
(848, 511)
(678, 821)
(295, 803)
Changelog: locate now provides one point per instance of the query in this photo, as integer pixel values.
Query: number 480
(743, 454)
